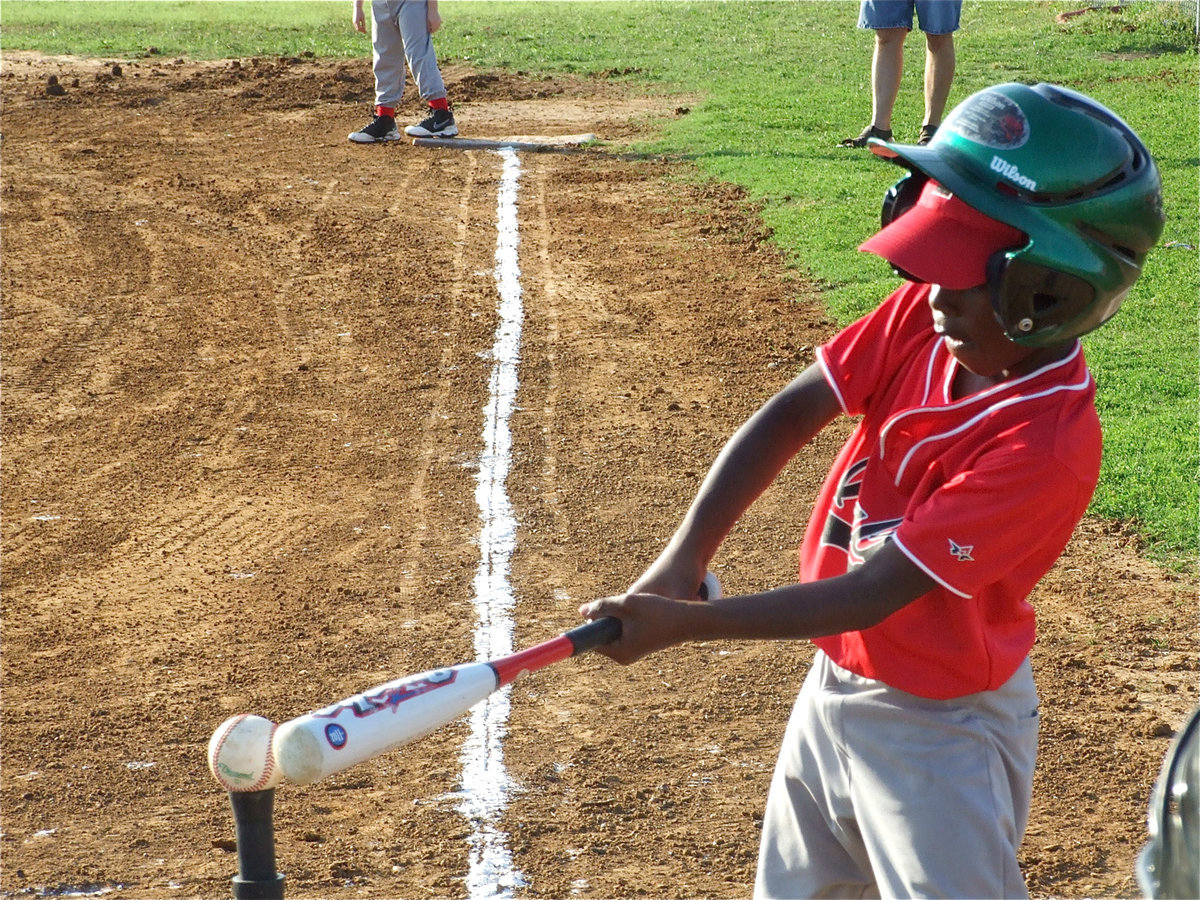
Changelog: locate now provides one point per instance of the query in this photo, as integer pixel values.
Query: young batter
(906, 768)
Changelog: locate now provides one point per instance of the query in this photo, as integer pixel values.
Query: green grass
(772, 86)
(195, 30)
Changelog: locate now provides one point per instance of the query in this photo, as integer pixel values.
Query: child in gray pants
(401, 33)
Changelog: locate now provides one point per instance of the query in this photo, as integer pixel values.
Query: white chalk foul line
(486, 785)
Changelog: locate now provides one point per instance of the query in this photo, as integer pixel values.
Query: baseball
(240, 755)
(710, 587)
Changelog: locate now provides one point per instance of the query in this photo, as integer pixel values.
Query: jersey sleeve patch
(916, 560)
(1012, 514)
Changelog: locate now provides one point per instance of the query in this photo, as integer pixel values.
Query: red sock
(440, 103)
(385, 111)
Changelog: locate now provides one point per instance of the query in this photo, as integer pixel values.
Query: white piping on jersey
(1004, 387)
(929, 368)
(830, 380)
(928, 571)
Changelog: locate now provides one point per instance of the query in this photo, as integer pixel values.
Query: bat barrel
(253, 819)
(361, 727)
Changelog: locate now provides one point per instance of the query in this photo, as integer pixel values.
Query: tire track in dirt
(545, 277)
(223, 530)
(68, 391)
(215, 530)
(137, 272)
(414, 556)
(78, 312)
(429, 466)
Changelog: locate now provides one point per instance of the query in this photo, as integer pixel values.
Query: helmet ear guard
(902, 196)
(1039, 305)
(899, 199)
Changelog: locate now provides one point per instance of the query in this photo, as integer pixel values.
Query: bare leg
(939, 73)
(887, 65)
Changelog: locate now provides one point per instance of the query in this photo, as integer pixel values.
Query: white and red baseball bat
(361, 727)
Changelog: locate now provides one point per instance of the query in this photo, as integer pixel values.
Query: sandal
(883, 134)
(926, 134)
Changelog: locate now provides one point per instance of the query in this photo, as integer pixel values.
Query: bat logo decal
(390, 696)
(336, 735)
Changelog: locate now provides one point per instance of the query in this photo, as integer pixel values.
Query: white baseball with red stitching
(240, 755)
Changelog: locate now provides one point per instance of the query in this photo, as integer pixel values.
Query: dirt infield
(244, 369)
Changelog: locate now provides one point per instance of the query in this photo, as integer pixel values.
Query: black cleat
(382, 128)
(439, 123)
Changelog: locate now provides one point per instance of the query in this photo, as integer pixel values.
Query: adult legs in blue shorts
(892, 20)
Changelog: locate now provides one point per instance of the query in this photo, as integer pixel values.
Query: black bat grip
(593, 634)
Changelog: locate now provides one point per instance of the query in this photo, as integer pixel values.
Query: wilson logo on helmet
(1012, 173)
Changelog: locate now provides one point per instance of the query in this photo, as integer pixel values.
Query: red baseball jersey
(981, 492)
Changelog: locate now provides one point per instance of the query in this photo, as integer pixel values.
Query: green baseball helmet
(1070, 175)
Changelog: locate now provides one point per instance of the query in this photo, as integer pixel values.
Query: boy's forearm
(860, 599)
(791, 612)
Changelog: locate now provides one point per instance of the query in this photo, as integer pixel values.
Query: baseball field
(248, 369)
